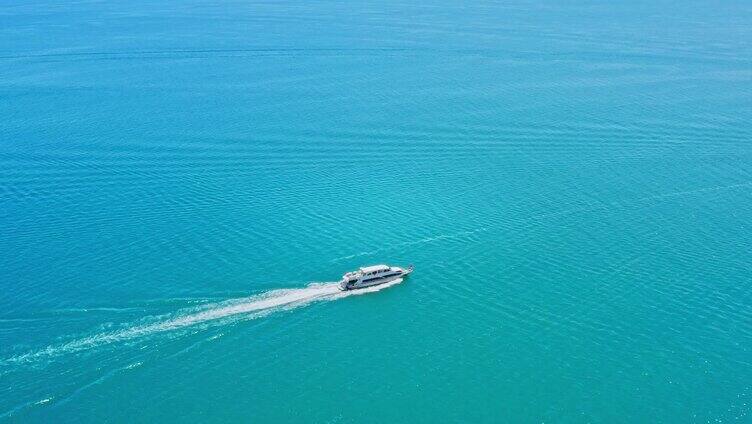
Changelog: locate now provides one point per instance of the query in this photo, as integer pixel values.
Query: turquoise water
(573, 185)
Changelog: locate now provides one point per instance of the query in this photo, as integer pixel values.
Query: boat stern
(343, 285)
(347, 281)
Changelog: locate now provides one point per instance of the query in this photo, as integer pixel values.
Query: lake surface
(182, 182)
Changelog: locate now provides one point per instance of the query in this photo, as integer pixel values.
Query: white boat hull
(361, 283)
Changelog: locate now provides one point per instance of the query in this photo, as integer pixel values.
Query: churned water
(182, 183)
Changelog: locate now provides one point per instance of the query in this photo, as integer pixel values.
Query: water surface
(182, 182)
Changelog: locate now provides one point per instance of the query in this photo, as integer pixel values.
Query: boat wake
(214, 314)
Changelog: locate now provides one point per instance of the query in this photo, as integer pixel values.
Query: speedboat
(372, 275)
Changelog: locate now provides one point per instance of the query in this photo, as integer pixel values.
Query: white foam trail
(245, 308)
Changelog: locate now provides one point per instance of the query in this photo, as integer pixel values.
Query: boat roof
(372, 268)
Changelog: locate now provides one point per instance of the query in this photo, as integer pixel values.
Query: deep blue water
(572, 182)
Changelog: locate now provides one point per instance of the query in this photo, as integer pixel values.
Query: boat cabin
(374, 270)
